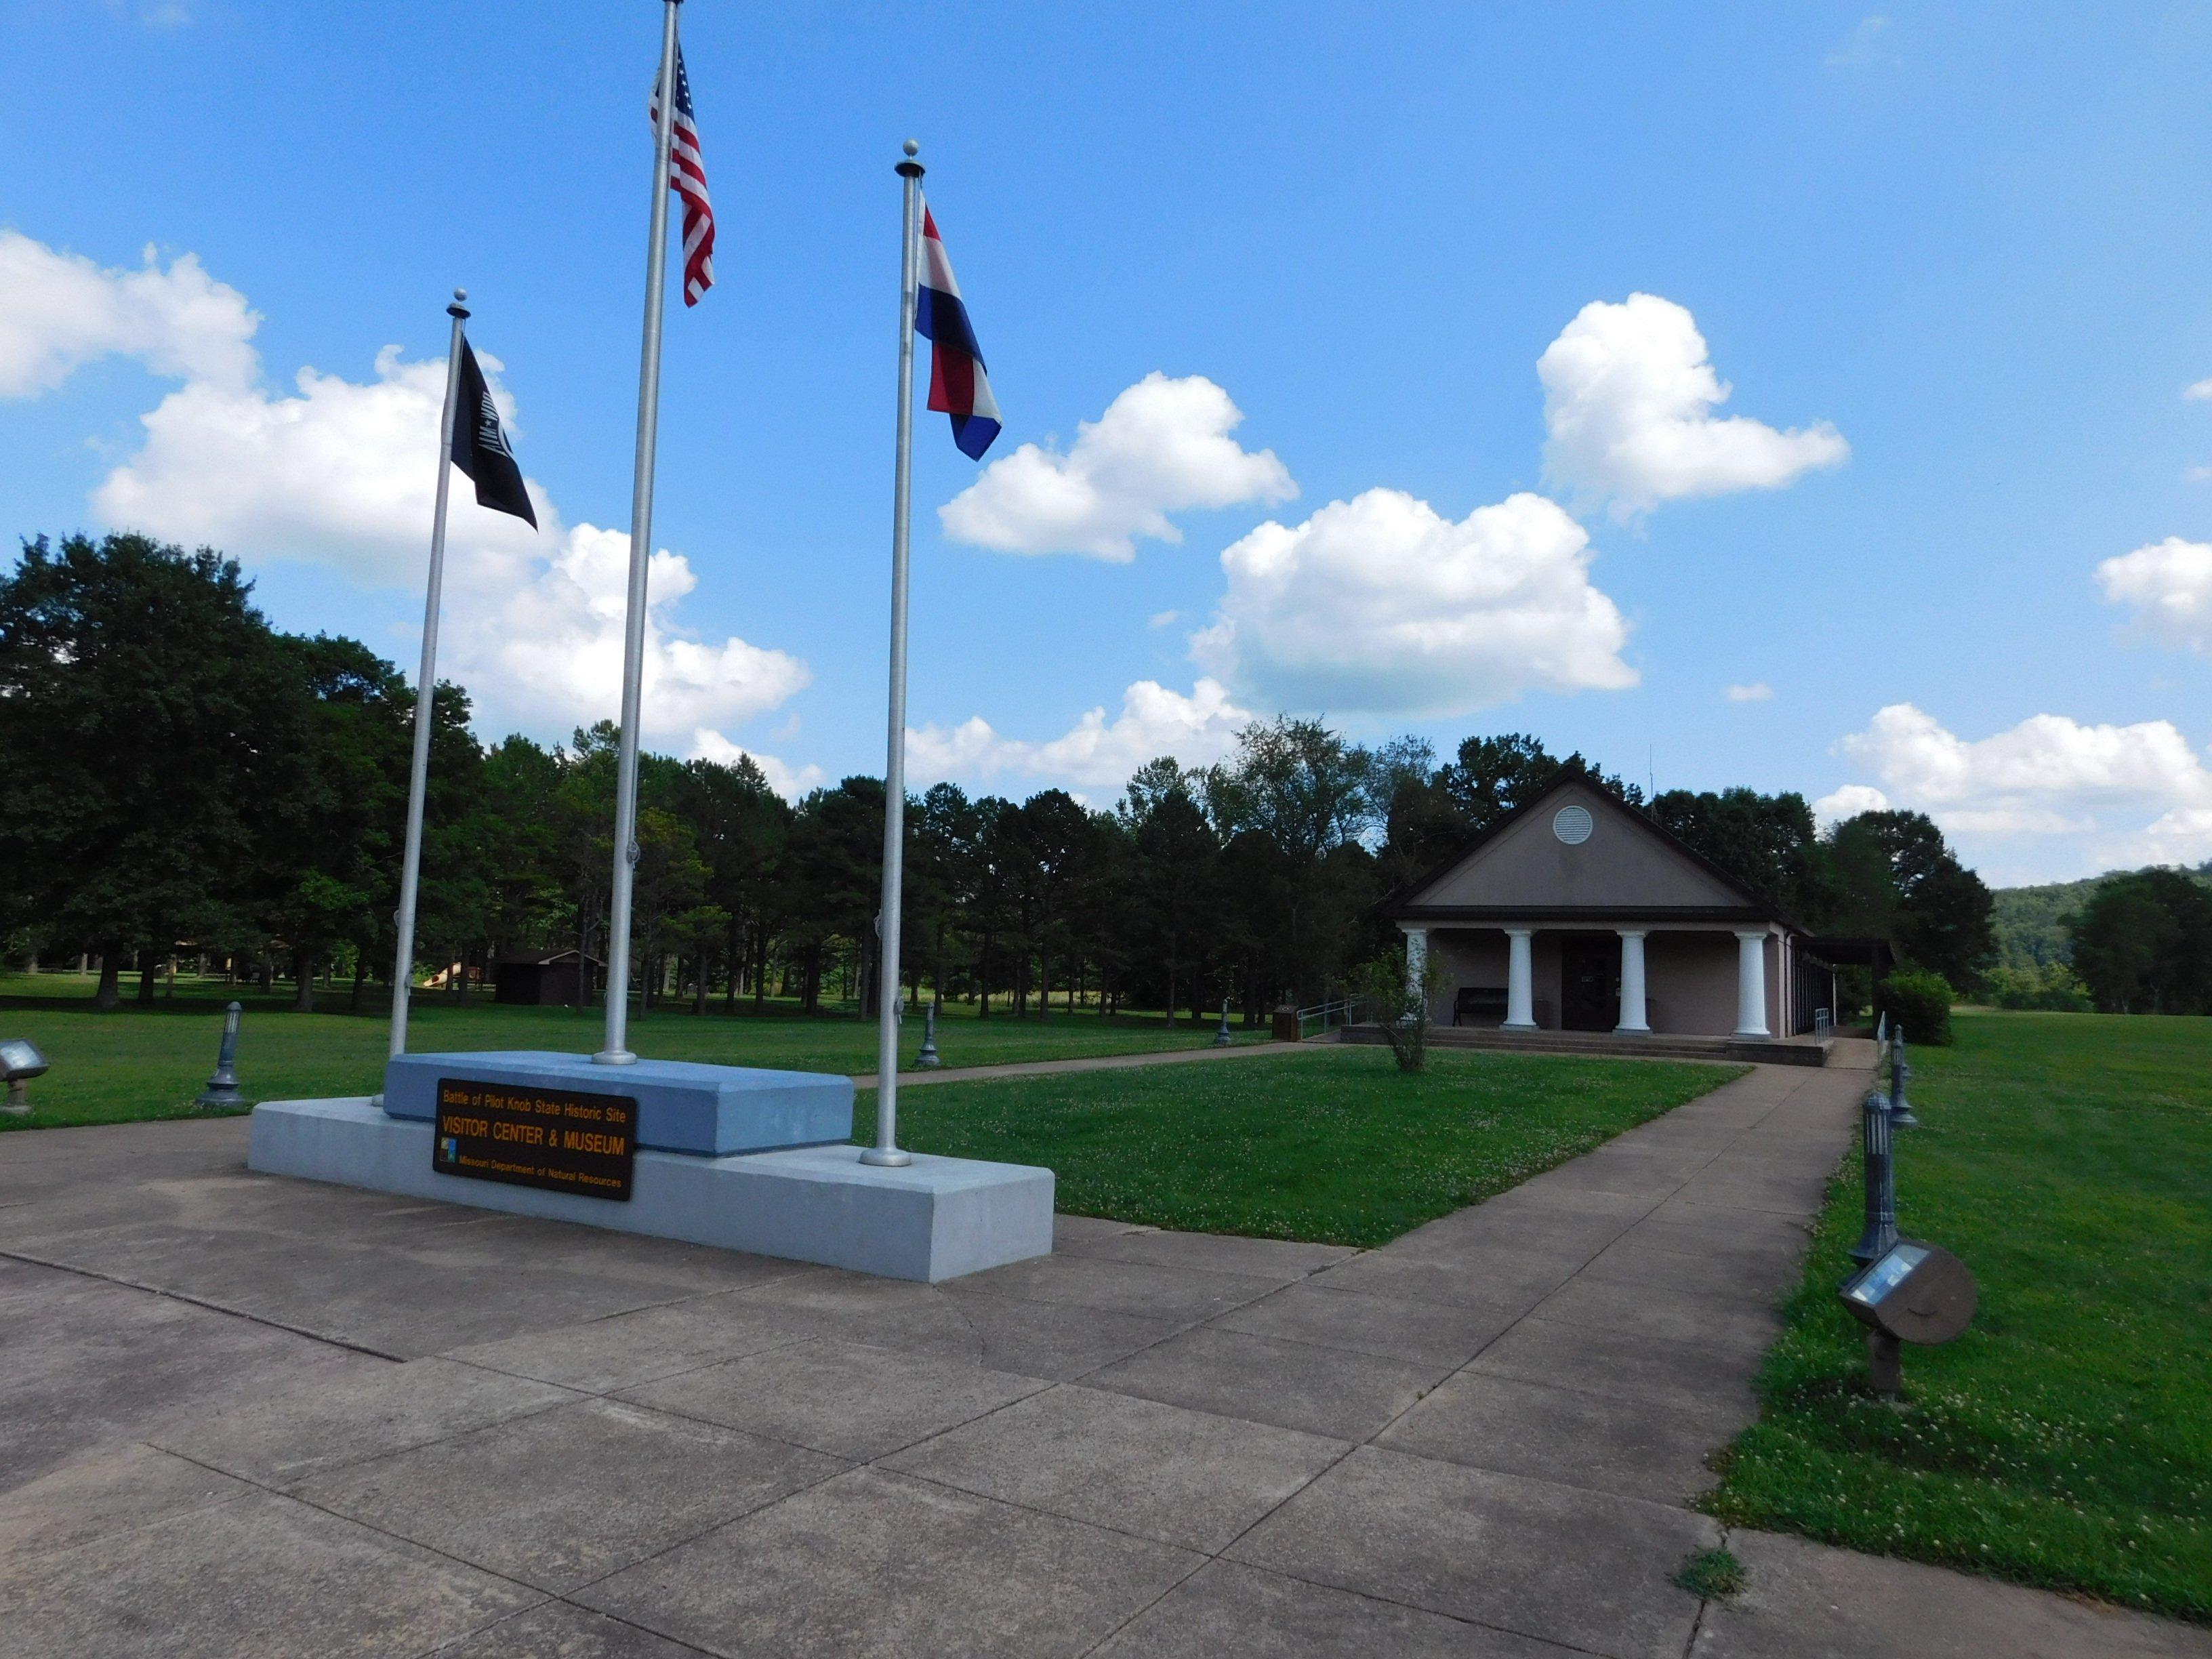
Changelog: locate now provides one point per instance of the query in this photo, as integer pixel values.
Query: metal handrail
(1325, 1016)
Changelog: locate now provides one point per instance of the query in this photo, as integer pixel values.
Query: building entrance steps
(1656, 1045)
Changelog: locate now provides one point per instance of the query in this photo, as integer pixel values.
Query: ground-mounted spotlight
(20, 1061)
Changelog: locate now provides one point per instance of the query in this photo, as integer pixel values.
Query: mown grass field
(137, 1063)
(1335, 1147)
(2066, 1439)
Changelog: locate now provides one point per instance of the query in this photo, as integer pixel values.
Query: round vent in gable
(1572, 825)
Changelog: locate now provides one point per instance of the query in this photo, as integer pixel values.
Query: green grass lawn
(138, 1063)
(2066, 1439)
(1335, 1147)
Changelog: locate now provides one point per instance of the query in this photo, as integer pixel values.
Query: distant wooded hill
(2026, 921)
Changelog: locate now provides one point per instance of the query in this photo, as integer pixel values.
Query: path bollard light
(222, 1087)
(1221, 1037)
(1900, 1109)
(1912, 1292)
(1881, 1231)
(928, 1060)
(20, 1061)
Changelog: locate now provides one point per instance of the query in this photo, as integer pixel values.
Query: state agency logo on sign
(557, 1138)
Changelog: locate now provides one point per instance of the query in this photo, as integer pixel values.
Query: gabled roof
(1750, 904)
(541, 959)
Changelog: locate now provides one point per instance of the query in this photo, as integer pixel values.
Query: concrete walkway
(245, 1416)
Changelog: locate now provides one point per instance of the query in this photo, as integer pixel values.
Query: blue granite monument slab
(682, 1106)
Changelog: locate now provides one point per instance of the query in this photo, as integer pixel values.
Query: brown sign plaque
(557, 1139)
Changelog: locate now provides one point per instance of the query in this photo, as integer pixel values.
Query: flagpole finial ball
(460, 293)
(911, 148)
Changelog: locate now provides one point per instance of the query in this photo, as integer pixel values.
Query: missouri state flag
(958, 384)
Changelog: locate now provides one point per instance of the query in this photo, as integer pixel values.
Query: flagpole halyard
(616, 1050)
(886, 1150)
(426, 692)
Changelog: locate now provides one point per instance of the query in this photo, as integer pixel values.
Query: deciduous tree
(2143, 944)
(148, 717)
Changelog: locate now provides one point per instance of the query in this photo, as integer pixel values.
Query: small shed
(545, 979)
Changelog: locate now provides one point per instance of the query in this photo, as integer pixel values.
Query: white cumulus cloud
(1162, 447)
(343, 473)
(1757, 691)
(2169, 585)
(1630, 392)
(1380, 604)
(544, 637)
(1096, 753)
(787, 780)
(60, 311)
(1849, 802)
(2103, 794)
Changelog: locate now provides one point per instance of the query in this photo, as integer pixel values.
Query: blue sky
(1951, 258)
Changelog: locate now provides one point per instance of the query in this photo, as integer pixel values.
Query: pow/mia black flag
(480, 446)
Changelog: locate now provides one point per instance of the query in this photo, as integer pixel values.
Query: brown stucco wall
(1475, 956)
(1480, 955)
(1623, 863)
(1690, 982)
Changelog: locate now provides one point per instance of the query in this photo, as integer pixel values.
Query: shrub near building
(1917, 1002)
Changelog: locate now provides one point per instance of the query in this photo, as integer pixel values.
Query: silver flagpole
(426, 691)
(886, 1149)
(617, 1052)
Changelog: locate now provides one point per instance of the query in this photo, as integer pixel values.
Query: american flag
(687, 177)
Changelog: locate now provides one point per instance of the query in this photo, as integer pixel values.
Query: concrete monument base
(682, 1106)
(933, 1219)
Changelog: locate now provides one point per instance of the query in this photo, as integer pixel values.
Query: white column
(1520, 983)
(1751, 982)
(1632, 1015)
(1417, 966)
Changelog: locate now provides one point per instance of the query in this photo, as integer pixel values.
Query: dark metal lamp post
(1881, 1231)
(1903, 1290)
(1900, 1109)
(928, 1060)
(222, 1087)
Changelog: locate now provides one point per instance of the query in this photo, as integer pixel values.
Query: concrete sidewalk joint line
(1483, 1437)
(202, 1302)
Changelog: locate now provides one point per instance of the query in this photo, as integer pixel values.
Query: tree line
(2141, 944)
(177, 773)
(2137, 941)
